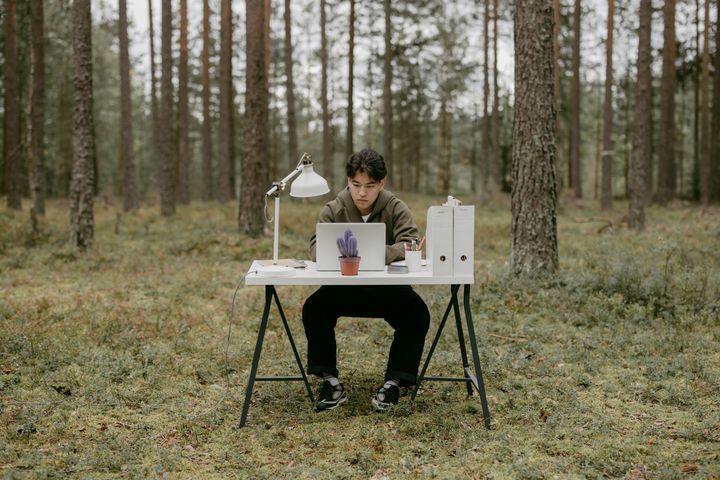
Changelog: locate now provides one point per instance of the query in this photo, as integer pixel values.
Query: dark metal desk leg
(461, 336)
(269, 291)
(476, 355)
(294, 349)
(453, 290)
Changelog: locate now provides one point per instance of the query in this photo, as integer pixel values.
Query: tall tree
(127, 157)
(290, 89)
(705, 162)
(490, 179)
(154, 109)
(36, 130)
(666, 150)
(328, 167)
(556, 82)
(387, 93)
(11, 136)
(167, 157)
(82, 223)
(351, 78)
(226, 160)
(496, 99)
(607, 148)
(251, 217)
(183, 153)
(534, 188)
(207, 170)
(575, 103)
(715, 150)
(640, 160)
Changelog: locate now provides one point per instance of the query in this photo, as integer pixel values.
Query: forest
(140, 136)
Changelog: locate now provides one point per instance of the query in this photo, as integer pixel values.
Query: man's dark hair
(368, 161)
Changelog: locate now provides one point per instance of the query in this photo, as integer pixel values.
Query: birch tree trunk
(640, 159)
(666, 162)
(606, 198)
(534, 188)
(36, 132)
(82, 223)
(127, 157)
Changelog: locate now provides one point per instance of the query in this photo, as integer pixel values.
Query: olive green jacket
(393, 212)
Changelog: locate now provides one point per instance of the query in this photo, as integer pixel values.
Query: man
(366, 200)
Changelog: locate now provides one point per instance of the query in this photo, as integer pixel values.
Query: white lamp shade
(308, 184)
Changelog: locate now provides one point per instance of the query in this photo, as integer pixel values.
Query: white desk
(310, 276)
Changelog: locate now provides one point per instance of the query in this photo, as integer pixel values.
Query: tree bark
(387, 94)
(705, 162)
(11, 137)
(641, 124)
(154, 108)
(490, 179)
(290, 90)
(226, 157)
(496, 101)
(127, 157)
(207, 164)
(606, 198)
(575, 105)
(559, 165)
(167, 150)
(445, 165)
(82, 224)
(715, 134)
(351, 59)
(254, 176)
(183, 154)
(534, 188)
(65, 131)
(36, 132)
(666, 162)
(328, 170)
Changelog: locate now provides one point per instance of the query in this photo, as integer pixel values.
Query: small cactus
(347, 244)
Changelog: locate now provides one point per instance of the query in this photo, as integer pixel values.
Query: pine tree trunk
(127, 157)
(82, 224)
(705, 162)
(328, 170)
(167, 148)
(606, 198)
(254, 176)
(11, 136)
(496, 100)
(65, 132)
(641, 123)
(575, 103)
(290, 90)
(154, 107)
(534, 188)
(666, 162)
(226, 106)
(183, 160)
(696, 111)
(351, 78)
(387, 94)
(207, 164)
(559, 165)
(715, 149)
(36, 132)
(445, 166)
(490, 177)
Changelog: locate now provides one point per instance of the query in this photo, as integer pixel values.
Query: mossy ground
(113, 363)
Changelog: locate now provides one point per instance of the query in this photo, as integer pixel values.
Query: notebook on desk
(371, 245)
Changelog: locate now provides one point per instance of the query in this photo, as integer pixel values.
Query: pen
(421, 243)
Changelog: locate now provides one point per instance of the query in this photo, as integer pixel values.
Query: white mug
(412, 260)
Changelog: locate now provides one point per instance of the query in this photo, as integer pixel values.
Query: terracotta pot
(349, 265)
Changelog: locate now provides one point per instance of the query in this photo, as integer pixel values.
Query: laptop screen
(371, 244)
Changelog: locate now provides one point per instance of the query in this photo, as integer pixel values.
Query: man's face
(364, 191)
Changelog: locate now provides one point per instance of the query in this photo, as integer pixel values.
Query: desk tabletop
(310, 276)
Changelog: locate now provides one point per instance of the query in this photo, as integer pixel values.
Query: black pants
(399, 305)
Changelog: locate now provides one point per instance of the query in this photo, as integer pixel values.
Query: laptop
(371, 245)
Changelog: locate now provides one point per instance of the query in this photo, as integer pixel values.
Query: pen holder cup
(349, 265)
(412, 260)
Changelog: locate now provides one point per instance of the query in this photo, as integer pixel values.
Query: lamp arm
(277, 187)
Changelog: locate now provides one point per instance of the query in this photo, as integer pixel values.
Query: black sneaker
(386, 396)
(330, 397)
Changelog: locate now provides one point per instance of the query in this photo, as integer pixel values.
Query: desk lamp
(308, 184)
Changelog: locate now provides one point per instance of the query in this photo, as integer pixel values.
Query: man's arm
(404, 231)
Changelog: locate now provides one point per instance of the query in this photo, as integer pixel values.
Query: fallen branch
(510, 339)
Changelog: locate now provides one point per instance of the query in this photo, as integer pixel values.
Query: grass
(112, 361)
